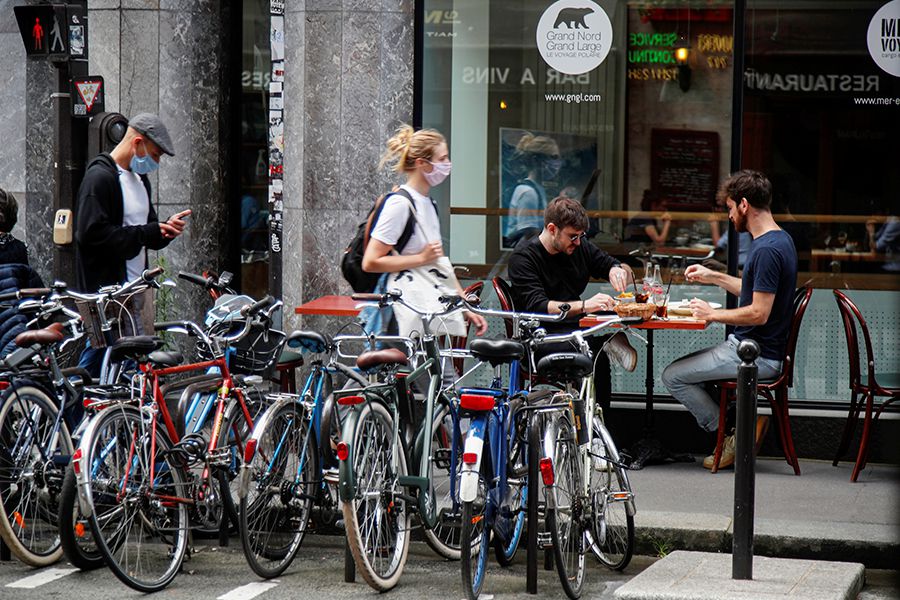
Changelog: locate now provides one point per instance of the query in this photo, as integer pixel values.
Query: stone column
(348, 85)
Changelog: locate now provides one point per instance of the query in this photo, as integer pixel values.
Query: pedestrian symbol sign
(87, 98)
(35, 24)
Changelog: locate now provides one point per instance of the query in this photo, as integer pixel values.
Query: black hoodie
(102, 243)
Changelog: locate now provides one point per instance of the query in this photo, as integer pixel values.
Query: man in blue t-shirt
(766, 292)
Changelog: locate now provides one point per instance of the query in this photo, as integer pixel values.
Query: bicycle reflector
(470, 458)
(250, 449)
(476, 402)
(76, 461)
(546, 465)
(351, 400)
(343, 450)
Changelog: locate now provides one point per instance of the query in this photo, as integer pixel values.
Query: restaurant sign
(883, 38)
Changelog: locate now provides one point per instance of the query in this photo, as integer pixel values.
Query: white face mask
(439, 172)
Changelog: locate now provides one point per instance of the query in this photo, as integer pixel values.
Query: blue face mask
(143, 165)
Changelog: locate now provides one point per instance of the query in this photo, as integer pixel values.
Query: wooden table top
(337, 306)
(676, 323)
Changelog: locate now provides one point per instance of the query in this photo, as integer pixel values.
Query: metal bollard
(744, 462)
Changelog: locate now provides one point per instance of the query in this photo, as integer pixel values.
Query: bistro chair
(504, 295)
(459, 341)
(775, 391)
(863, 386)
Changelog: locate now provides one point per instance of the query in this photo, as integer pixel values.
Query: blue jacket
(14, 277)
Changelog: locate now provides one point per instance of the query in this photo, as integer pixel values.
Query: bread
(634, 309)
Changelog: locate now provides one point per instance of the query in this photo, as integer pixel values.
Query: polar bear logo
(573, 18)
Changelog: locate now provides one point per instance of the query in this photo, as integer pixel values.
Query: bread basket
(634, 309)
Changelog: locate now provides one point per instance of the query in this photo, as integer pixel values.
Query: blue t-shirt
(771, 267)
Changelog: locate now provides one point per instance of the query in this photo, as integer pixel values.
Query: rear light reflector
(351, 400)
(76, 461)
(343, 451)
(546, 465)
(250, 449)
(470, 458)
(476, 402)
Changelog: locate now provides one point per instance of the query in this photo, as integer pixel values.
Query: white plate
(686, 303)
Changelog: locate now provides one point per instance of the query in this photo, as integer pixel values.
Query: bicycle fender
(260, 426)
(346, 476)
(468, 481)
(630, 507)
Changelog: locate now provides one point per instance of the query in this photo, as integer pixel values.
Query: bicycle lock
(744, 462)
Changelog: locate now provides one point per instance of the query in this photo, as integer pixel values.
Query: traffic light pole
(69, 149)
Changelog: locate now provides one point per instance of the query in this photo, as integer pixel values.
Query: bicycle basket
(254, 353)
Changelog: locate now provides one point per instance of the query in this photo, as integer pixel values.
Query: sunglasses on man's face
(576, 236)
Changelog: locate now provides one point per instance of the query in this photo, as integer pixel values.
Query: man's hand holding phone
(174, 226)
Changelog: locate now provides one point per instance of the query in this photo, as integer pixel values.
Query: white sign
(574, 36)
(884, 38)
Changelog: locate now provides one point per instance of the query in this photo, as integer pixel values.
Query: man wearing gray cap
(115, 221)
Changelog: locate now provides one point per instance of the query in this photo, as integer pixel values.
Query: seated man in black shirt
(764, 313)
(554, 267)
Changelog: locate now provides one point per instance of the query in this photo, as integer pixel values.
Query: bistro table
(335, 306)
(649, 449)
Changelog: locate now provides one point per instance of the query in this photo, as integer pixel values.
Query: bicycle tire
(445, 537)
(611, 535)
(564, 512)
(475, 541)
(275, 512)
(377, 496)
(330, 428)
(142, 535)
(75, 529)
(234, 433)
(31, 478)
(509, 523)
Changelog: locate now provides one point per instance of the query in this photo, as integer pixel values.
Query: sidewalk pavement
(818, 515)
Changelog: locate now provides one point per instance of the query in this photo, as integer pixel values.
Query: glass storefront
(627, 106)
(254, 154)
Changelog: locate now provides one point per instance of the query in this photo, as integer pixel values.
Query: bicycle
(289, 461)
(582, 512)
(136, 476)
(40, 407)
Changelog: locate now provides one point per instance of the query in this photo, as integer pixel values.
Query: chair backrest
(851, 315)
(801, 301)
(504, 295)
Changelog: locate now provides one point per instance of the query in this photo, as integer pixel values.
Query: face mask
(143, 165)
(551, 167)
(438, 174)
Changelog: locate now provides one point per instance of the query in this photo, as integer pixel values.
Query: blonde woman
(422, 156)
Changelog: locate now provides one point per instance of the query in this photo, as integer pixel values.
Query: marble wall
(348, 85)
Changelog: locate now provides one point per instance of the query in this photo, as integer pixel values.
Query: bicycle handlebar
(453, 302)
(583, 333)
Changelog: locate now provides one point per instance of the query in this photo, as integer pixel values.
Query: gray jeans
(685, 378)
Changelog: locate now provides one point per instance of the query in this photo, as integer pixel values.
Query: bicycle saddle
(565, 366)
(311, 341)
(165, 358)
(496, 352)
(50, 334)
(369, 361)
(133, 347)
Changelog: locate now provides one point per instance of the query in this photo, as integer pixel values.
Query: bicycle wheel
(445, 537)
(509, 523)
(229, 456)
(476, 533)
(376, 519)
(611, 535)
(32, 462)
(139, 524)
(280, 488)
(74, 529)
(565, 508)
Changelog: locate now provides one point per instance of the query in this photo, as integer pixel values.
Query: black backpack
(351, 262)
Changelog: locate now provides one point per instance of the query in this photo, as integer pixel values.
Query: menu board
(684, 167)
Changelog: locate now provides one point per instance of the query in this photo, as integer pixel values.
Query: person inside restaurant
(766, 291)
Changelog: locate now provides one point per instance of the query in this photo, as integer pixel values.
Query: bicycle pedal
(220, 457)
(441, 458)
(331, 475)
(545, 540)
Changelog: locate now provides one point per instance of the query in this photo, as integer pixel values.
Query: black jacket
(14, 277)
(102, 243)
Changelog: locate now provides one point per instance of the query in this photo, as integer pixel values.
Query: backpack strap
(376, 212)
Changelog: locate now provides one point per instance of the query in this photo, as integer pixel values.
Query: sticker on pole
(883, 37)
(574, 36)
(88, 97)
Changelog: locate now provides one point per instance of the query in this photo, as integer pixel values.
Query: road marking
(39, 579)
(251, 590)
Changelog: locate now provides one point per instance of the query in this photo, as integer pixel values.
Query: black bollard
(744, 462)
(5, 554)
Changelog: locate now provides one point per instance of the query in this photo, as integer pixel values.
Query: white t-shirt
(392, 221)
(135, 211)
